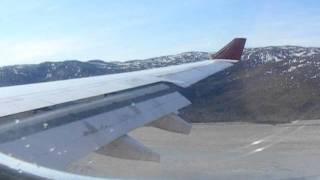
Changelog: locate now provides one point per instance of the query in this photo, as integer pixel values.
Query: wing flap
(172, 123)
(126, 147)
(59, 146)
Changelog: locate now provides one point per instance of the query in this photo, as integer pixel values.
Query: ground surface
(220, 151)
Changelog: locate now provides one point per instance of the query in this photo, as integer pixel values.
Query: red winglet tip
(232, 51)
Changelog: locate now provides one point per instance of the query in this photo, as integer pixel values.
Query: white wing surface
(56, 123)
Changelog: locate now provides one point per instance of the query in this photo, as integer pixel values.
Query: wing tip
(232, 51)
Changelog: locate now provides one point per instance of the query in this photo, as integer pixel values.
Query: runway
(219, 151)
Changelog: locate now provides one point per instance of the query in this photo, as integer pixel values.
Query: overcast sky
(34, 31)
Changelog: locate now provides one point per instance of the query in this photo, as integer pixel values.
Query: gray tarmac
(219, 151)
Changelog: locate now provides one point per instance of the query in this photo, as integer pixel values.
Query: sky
(33, 31)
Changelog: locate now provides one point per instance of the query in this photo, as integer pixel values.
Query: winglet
(232, 51)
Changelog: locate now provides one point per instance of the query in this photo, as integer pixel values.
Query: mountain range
(271, 84)
(69, 69)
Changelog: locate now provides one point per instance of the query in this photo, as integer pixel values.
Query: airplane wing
(53, 124)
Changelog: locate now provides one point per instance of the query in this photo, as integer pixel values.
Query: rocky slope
(272, 84)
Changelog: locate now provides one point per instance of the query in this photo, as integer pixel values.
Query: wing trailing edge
(232, 50)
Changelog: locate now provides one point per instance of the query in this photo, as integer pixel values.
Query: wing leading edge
(54, 124)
